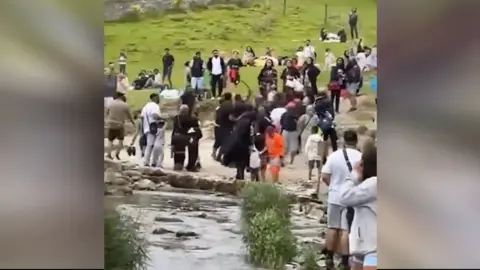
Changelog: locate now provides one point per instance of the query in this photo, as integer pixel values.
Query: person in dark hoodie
(267, 78)
(194, 135)
(337, 83)
(353, 22)
(238, 149)
(326, 115)
(196, 73)
(224, 125)
(289, 73)
(310, 74)
(180, 138)
(353, 78)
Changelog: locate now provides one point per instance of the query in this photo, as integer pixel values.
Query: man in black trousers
(217, 68)
(353, 21)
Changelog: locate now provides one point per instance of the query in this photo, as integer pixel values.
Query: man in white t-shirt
(309, 50)
(155, 141)
(334, 173)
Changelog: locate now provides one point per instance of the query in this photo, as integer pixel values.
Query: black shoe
(192, 169)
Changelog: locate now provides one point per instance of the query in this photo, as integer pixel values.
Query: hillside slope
(228, 27)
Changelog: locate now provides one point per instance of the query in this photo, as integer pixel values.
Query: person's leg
(194, 83)
(192, 156)
(143, 144)
(220, 86)
(352, 95)
(355, 28)
(110, 146)
(200, 87)
(149, 148)
(333, 139)
(326, 136)
(213, 85)
(352, 32)
(310, 169)
(334, 225)
(218, 141)
(158, 152)
(119, 146)
(343, 243)
(169, 77)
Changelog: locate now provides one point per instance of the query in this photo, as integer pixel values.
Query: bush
(269, 241)
(124, 248)
(259, 197)
(266, 225)
(309, 259)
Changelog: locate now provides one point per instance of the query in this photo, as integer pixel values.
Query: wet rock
(228, 187)
(183, 181)
(202, 215)
(323, 220)
(108, 176)
(126, 190)
(120, 181)
(144, 184)
(132, 173)
(158, 179)
(186, 234)
(152, 171)
(160, 231)
(168, 220)
(112, 164)
(206, 184)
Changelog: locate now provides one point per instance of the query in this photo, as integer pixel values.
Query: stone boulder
(183, 181)
(144, 184)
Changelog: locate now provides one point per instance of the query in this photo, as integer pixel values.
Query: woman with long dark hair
(310, 74)
(290, 73)
(267, 78)
(360, 192)
(337, 83)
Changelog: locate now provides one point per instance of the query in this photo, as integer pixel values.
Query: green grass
(229, 27)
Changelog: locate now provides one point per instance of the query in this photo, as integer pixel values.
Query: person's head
(262, 111)
(227, 96)
(167, 51)
(123, 54)
(306, 100)
(198, 55)
(368, 163)
(323, 30)
(354, 10)
(215, 53)
(187, 64)
(314, 129)
(309, 61)
(235, 54)
(156, 71)
(327, 50)
(119, 96)
(183, 110)
(270, 131)
(269, 63)
(310, 110)
(249, 49)
(362, 130)
(367, 50)
(289, 63)
(121, 76)
(307, 42)
(340, 62)
(237, 98)
(372, 134)
(350, 138)
(300, 48)
(136, 114)
(111, 66)
(294, 61)
(154, 97)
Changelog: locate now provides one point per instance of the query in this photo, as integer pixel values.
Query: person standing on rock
(154, 132)
(117, 113)
(217, 68)
(194, 134)
(338, 167)
(224, 126)
(168, 62)
(180, 138)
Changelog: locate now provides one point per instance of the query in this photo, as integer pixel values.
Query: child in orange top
(275, 148)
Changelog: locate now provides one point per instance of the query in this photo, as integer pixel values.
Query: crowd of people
(289, 117)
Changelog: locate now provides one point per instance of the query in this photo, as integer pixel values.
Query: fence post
(325, 18)
(284, 7)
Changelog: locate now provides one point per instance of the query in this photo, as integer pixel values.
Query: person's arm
(283, 76)
(275, 77)
(327, 171)
(307, 144)
(209, 65)
(281, 146)
(260, 77)
(302, 122)
(355, 195)
(138, 130)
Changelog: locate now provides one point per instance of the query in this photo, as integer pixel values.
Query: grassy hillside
(228, 27)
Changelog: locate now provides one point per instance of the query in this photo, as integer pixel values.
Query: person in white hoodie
(314, 151)
(360, 192)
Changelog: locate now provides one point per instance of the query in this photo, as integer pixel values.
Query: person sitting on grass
(249, 57)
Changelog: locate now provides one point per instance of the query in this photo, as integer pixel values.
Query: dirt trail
(293, 177)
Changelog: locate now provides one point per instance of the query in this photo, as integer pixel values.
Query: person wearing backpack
(334, 174)
(326, 117)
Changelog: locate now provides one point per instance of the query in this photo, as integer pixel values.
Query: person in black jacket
(310, 74)
(337, 83)
(352, 22)
(196, 73)
(353, 77)
(194, 135)
(326, 116)
(180, 138)
(289, 73)
(217, 68)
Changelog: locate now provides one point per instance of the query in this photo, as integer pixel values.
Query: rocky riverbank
(122, 178)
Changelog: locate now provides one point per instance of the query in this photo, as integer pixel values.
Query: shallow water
(215, 220)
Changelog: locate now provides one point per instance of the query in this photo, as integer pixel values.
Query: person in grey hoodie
(360, 192)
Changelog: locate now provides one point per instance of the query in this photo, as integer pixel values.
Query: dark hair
(237, 97)
(327, 50)
(308, 40)
(167, 49)
(265, 65)
(227, 96)
(214, 50)
(156, 70)
(187, 63)
(350, 137)
(369, 160)
(314, 130)
(136, 114)
(154, 95)
(118, 95)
